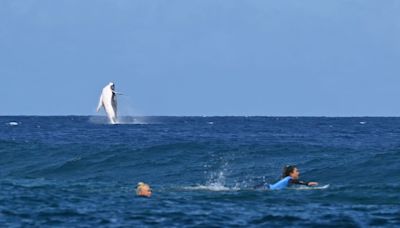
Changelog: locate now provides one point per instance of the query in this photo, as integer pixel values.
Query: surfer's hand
(312, 183)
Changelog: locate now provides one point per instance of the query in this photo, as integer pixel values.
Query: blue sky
(201, 57)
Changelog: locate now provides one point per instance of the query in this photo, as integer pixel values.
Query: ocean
(78, 171)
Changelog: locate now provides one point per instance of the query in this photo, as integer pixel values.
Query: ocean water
(79, 172)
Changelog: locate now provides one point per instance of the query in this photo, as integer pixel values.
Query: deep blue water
(78, 171)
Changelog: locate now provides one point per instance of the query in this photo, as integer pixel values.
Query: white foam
(123, 120)
(12, 123)
(98, 120)
(131, 120)
(216, 187)
(216, 182)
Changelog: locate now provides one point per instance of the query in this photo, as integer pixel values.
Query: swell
(77, 161)
(197, 163)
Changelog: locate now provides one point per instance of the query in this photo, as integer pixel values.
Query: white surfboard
(303, 187)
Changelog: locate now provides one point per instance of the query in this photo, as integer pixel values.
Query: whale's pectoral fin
(100, 103)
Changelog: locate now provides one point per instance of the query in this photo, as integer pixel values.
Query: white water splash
(132, 120)
(211, 187)
(216, 182)
(120, 120)
(12, 123)
(99, 120)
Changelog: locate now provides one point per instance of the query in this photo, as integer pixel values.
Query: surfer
(143, 190)
(290, 176)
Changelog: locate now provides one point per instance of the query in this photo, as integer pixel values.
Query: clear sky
(201, 57)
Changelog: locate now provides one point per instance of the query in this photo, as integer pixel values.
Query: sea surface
(79, 171)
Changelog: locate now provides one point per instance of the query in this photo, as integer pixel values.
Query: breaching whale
(108, 100)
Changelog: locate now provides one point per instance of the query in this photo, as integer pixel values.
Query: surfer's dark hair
(287, 170)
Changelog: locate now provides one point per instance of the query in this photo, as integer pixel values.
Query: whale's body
(108, 100)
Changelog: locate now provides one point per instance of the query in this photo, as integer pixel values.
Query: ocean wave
(75, 172)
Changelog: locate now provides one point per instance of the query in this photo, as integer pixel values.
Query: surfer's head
(290, 170)
(143, 189)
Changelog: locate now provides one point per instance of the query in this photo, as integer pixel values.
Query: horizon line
(204, 116)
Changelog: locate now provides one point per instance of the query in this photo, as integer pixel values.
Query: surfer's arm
(292, 181)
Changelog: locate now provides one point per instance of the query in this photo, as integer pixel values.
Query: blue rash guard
(284, 183)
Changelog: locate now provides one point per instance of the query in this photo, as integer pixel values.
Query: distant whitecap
(12, 123)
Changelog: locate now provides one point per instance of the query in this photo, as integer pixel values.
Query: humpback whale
(108, 100)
